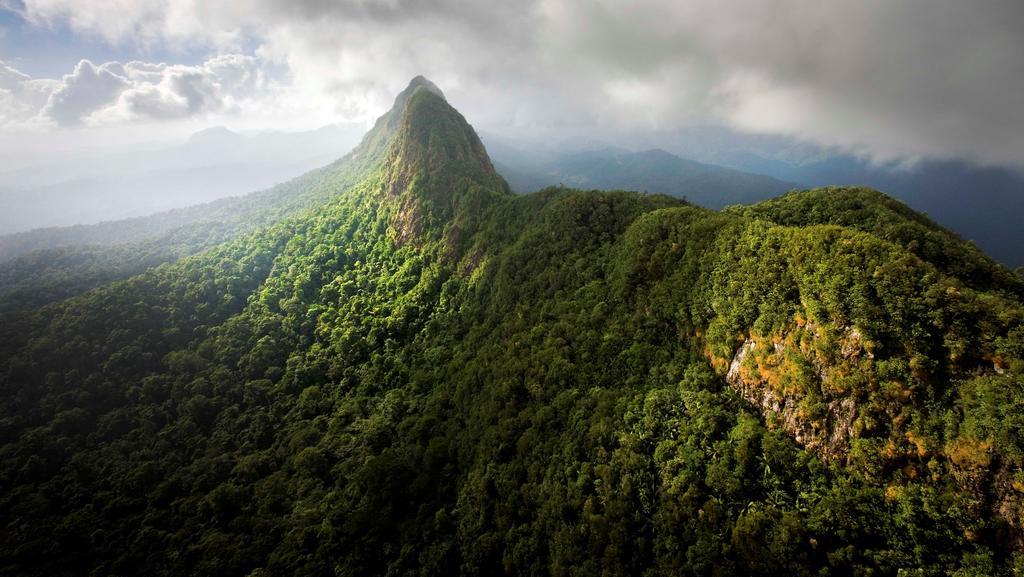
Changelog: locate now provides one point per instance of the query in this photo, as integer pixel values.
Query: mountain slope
(42, 266)
(428, 375)
(46, 265)
(885, 217)
(981, 203)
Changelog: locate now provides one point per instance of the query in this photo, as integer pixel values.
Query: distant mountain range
(649, 170)
(212, 164)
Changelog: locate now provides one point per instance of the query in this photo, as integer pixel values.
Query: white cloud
(223, 84)
(120, 20)
(116, 92)
(21, 97)
(84, 91)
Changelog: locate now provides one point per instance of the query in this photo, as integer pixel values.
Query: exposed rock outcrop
(826, 429)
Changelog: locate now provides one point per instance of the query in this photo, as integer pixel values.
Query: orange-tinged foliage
(970, 453)
(890, 451)
(894, 492)
(910, 471)
(719, 364)
(920, 443)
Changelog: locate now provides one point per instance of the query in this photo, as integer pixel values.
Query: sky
(884, 79)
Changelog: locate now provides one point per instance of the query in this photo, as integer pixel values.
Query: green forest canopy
(418, 373)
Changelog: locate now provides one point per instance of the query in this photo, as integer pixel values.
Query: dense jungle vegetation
(420, 373)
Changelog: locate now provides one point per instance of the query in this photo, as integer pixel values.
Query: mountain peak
(421, 81)
(431, 162)
(214, 134)
(435, 163)
(432, 139)
(375, 143)
(416, 84)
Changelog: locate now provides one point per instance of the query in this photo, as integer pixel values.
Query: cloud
(21, 97)
(82, 92)
(116, 92)
(221, 84)
(909, 78)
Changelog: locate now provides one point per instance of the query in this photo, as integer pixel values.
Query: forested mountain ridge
(425, 374)
(871, 211)
(46, 265)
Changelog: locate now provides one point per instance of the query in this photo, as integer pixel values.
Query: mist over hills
(394, 365)
(212, 164)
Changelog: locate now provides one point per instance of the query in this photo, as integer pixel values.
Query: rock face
(825, 426)
(829, 435)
